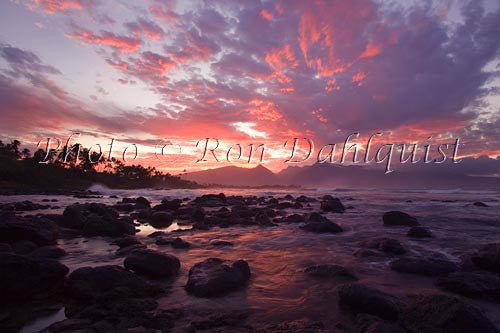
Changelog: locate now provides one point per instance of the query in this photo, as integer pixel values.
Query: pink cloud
(119, 43)
(266, 14)
(146, 27)
(56, 6)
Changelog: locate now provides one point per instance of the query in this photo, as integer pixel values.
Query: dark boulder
(423, 266)
(322, 227)
(24, 247)
(365, 253)
(48, 252)
(22, 278)
(480, 204)
(213, 277)
(472, 284)
(294, 218)
(96, 226)
(384, 244)
(399, 218)
(305, 199)
(211, 200)
(124, 207)
(95, 219)
(161, 220)
(331, 204)
(488, 257)
(317, 217)
(198, 214)
(263, 219)
(164, 240)
(143, 214)
(142, 203)
(443, 313)
(125, 251)
(419, 232)
(126, 241)
(330, 271)
(152, 263)
(40, 231)
(27, 205)
(179, 243)
(358, 298)
(166, 204)
(109, 281)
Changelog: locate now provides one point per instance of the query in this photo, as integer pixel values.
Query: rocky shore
(129, 294)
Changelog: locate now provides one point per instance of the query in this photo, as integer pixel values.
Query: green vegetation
(20, 170)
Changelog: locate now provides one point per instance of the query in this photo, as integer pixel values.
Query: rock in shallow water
(331, 204)
(322, 227)
(24, 247)
(358, 298)
(95, 219)
(488, 257)
(152, 263)
(384, 244)
(330, 271)
(124, 251)
(423, 266)
(213, 277)
(393, 218)
(419, 232)
(443, 313)
(40, 231)
(161, 220)
(472, 284)
(22, 278)
(179, 243)
(48, 252)
(293, 218)
(108, 282)
(126, 241)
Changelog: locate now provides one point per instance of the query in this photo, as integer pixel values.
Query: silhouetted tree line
(76, 169)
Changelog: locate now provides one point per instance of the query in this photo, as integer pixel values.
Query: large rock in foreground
(423, 266)
(399, 218)
(213, 277)
(90, 283)
(22, 278)
(152, 263)
(472, 284)
(358, 298)
(443, 313)
(488, 257)
(40, 231)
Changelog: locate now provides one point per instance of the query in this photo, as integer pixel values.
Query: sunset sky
(251, 71)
